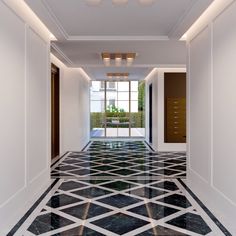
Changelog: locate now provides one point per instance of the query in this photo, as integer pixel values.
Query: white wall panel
(24, 120)
(224, 109)
(200, 104)
(12, 104)
(212, 132)
(37, 107)
(75, 113)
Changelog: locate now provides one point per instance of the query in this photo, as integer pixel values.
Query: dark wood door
(150, 113)
(55, 111)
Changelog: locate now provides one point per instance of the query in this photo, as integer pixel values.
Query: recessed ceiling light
(146, 2)
(119, 2)
(118, 58)
(93, 2)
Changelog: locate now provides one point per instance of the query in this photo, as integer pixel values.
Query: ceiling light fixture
(106, 59)
(119, 2)
(118, 58)
(94, 2)
(146, 2)
(117, 76)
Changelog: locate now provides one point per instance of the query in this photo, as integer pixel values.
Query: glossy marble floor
(119, 188)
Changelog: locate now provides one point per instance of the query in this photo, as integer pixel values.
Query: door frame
(150, 112)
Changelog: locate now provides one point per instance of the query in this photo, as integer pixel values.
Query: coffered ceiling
(84, 31)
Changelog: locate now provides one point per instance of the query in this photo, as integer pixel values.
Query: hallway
(118, 117)
(119, 188)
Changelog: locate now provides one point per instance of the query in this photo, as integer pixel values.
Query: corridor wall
(156, 78)
(212, 110)
(74, 107)
(25, 110)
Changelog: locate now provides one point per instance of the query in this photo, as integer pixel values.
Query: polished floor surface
(119, 188)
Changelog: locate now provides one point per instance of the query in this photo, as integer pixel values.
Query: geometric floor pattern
(108, 190)
(120, 159)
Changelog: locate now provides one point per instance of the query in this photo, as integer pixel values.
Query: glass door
(117, 109)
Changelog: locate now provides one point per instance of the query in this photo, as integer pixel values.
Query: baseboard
(224, 210)
(21, 203)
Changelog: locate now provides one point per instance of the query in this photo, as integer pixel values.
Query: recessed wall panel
(12, 104)
(200, 104)
(224, 103)
(37, 107)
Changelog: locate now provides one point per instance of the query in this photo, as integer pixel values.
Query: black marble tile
(86, 210)
(107, 161)
(174, 161)
(79, 231)
(123, 164)
(95, 181)
(146, 192)
(153, 210)
(168, 185)
(124, 172)
(169, 155)
(72, 161)
(120, 223)
(83, 172)
(87, 164)
(191, 222)
(103, 174)
(104, 168)
(140, 161)
(119, 200)
(61, 200)
(66, 167)
(176, 200)
(91, 192)
(47, 222)
(71, 185)
(143, 168)
(143, 181)
(119, 185)
(160, 164)
(178, 167)
(165, 172)
(161, 231)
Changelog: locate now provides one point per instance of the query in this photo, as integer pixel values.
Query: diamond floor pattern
(119, 188)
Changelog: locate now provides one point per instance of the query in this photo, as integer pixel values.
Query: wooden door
(55, 111)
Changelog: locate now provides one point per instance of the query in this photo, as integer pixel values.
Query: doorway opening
(55, 111)
(117, 109)
(150, 113)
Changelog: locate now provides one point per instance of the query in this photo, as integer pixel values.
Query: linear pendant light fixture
(118, 2)
(118, 58)
(117, 75)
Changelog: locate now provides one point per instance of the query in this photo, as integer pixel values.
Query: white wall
(152, 79)
(156, 78)
(212, 113)
(74, 108)
(25, 106)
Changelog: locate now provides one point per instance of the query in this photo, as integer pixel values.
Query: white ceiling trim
(55, 20)
(59, 51)
(137, 66)
(189, 18)
(69, 37)
(115, 38)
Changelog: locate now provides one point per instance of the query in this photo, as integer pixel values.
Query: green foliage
(113, 111)
(141, 96)
(137, 119)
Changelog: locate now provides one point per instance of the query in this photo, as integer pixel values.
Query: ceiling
(84, 31)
